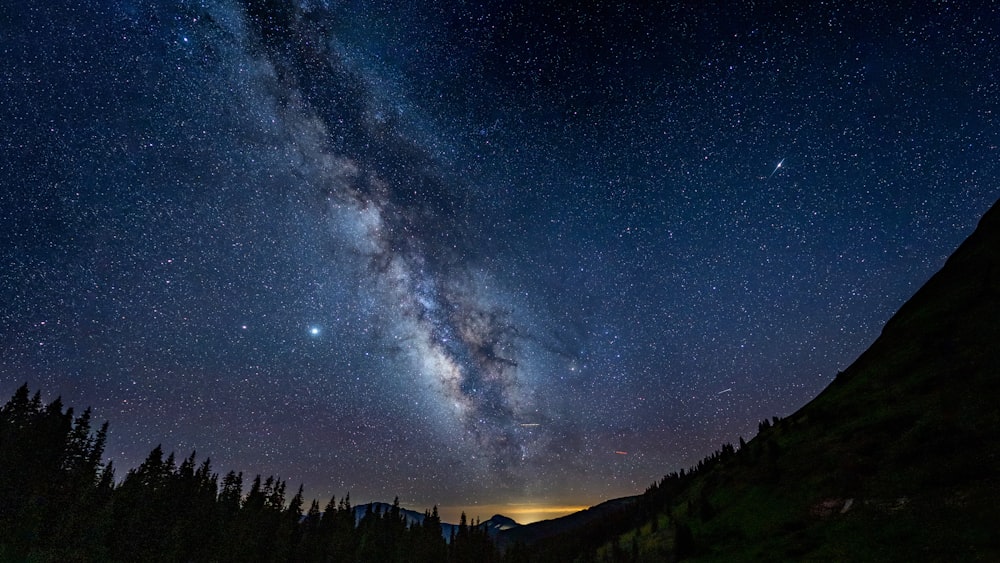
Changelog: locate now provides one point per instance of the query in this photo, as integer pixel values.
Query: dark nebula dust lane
(472, 255)
(408, 233)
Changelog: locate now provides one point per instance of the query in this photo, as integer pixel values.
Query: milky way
(472, 254)
(437, 312)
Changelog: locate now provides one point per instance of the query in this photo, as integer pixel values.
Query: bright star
(314, 331)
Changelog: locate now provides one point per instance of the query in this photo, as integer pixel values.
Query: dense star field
(500, 257)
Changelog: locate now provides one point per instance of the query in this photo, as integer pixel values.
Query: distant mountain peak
(499, 523)
(496, 524)
(896, 460)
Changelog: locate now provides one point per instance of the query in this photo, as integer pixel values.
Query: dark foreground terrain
(897, 460)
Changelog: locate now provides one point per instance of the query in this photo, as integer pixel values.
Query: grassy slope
(909, 432)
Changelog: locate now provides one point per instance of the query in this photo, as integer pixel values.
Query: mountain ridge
(896, 459)
(493, 526)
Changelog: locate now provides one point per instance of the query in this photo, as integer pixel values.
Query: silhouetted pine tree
(471, 543)
(139, 515)
(311, 545)
(288, 532)
(426, 541)
(51, 467)
(59, 502)
(338, 527)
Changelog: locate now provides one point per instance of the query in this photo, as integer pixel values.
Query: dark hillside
(898, 459)
(594, 523)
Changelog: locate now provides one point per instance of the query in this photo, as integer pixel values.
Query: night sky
(499, 257)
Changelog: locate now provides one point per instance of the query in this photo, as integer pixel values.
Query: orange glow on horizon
(522, 513)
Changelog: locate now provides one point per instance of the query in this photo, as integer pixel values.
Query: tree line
(59, 501)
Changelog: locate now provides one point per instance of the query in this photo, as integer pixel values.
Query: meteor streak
(780, 162)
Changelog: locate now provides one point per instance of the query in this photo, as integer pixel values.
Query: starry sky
(501, 256)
